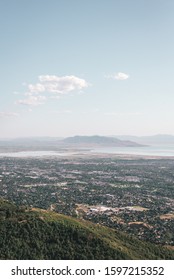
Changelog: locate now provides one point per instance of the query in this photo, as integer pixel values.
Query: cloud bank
(53, 86)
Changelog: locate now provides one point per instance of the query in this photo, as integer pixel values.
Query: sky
(76, 67)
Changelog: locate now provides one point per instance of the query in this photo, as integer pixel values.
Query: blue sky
(81, 67)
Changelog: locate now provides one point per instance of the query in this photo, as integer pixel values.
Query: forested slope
(40, 234)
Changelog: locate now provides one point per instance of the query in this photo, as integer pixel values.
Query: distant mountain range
(75, 141)
(159, 139)
(96, 140)
(30, 141)
(90, 141)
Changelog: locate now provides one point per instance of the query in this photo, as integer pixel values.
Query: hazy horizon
(86, 68)
(62, 137)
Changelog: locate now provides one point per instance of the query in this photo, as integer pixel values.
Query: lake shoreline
(79, 154)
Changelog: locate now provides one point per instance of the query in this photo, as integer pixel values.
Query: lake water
(36, 154)
(144, 151)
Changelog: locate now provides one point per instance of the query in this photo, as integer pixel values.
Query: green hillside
(40, 234)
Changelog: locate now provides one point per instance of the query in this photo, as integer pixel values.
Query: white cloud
(36, 88)
(53, 87)
(59, 85)
(32, 100)
(8, 114)
(121, 76)
(118, 76)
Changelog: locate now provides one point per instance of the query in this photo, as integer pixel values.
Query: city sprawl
(134, 195)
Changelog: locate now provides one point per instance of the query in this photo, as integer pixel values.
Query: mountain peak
(96, 140)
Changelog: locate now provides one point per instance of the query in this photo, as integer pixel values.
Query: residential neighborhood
(133, 195)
